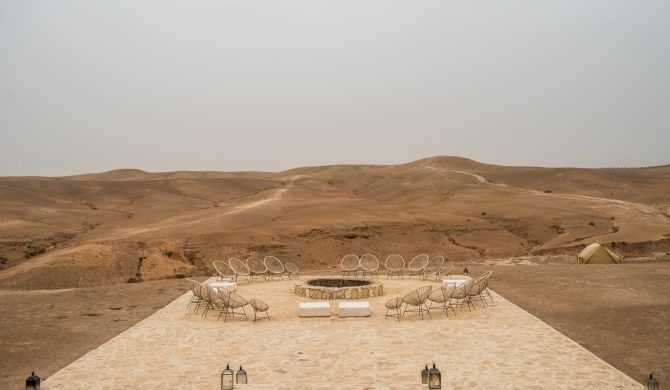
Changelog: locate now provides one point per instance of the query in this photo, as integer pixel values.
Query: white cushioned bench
(354, 309)
(314, 309)
(229, 286)
(455, 281)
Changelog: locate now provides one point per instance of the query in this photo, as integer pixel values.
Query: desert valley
(96, 253)
(129, 225)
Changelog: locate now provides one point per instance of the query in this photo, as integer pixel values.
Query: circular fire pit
(339, 289)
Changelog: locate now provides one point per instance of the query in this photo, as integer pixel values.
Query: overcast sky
(89, 86)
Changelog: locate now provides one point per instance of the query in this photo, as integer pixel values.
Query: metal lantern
(241, 376)
(434, 378)
(33, 382)
(424, 375)
(651, 383)
(227, 378)
(465, 271)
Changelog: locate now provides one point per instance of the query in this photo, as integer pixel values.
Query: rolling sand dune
(130, 225)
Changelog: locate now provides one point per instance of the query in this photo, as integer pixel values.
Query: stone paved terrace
(500, 347)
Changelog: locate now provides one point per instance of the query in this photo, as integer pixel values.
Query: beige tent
(598, 254)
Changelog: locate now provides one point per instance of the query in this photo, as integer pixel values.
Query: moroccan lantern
(227, 378)
(651, 383)
(241, 376)
(33, 382)
(424, 375)
(434, 378)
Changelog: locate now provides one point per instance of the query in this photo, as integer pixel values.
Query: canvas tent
(598, 254)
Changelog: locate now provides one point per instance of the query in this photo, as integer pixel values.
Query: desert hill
(130, 225)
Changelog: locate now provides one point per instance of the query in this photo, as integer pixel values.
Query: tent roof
(591, 249)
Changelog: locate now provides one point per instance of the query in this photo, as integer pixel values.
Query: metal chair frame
(417, 298)
(294, 270)
(369, 264)
(350, 269)
(223, 270)
(257, 305)
(417, 264)
(394, 304)
(258, 268)
(275, 267)
(394, 269)
(442, 297)
(241, 270)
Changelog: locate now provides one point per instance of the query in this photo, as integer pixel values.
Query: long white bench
(458, 280)
(314, 309)
(229, 286)
(354, 309)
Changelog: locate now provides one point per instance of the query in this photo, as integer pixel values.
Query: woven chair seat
(256, 265)
(418, 263)
(394, 263)
(369, 263)
(274, 265)
(393, 303)
(224, 270)
(350, 263)
(258, 305)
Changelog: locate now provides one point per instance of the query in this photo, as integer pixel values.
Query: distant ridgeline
(648, 167)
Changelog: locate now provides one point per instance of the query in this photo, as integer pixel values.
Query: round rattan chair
(259, 307)
(394, 305)
(223, 270)
(241, 269)
(204, 295)
(275, 267)
(442, 298)
(258, 268)
(434, 269)
(394, 264)
(234, 301)
(292, 270)
(418, 263)
(417, 298)
(462, 292)
(195, 296)
(479, 288)
(369, 264)
(350, 265)
(218, 302)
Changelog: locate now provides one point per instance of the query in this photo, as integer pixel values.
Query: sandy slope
(128, 224)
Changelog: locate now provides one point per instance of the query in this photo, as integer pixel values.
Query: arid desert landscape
(85, 257)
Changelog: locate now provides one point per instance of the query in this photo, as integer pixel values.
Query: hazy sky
(268, 85)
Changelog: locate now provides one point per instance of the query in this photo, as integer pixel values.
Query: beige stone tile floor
(499, 347)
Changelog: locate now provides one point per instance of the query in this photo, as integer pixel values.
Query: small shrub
(169, 253)
(90, 314)
(591, 223)
(133, 280)
(548, 191)
(3, 260)
(114, 308)
(32, 252)
(483, 213)
(191, 256)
